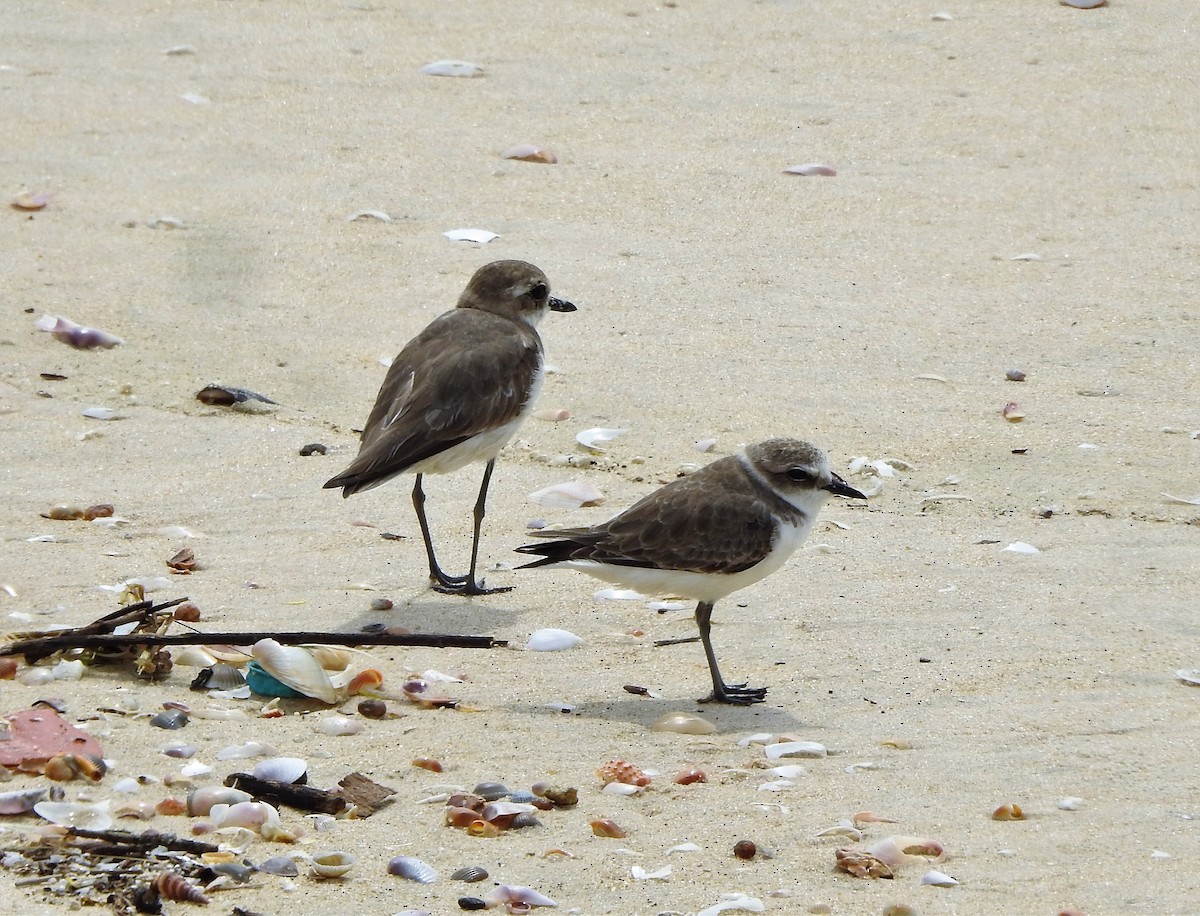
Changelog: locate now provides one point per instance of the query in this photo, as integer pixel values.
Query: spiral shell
(174, 886)
(623, 772)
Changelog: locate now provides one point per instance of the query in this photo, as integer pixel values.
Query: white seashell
(295, 667)
(202, 801)
(777, 785)
(1189, 676)
(244, 751)
(1181, 499)
(482, 236)
(179, 50)
(1021, 547)
(35, 677)
(195, 768)
(938, 879)
(685, 847)
(1070, 803)
(668, 605)
(250, 814)
(437, 677)
(67, 671)
(795, 749)
(458, 68)
(516, 894)
(413, 869)
(739, 902)
(595, 437)
(704, 445)
(1026, 256)
(618, 594)
(127, 786)
(76, 814)
(788, 771)
(842, 829)
(332, 864)
(1160, 854)
(621, 788)
(339, 726)
(281, 769)
(221, 715)
(757, 738)
(195, 98)
(853, 768)
(552, 640)
(810, 169)
(372, 214)
(99, 413)
(571, 495)
(640, 874)
(21, 801)
(194, 657)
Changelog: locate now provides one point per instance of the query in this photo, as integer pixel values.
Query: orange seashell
(365, 681)
(466, 800)
(1009, 812)
(480, 827)
(172, 806)
(428, 763)
(687, 777)
(870, 817)
(8, 669)
(622, 771)
(187, 612)
(461, 817)
(173, 886)
(602, 826)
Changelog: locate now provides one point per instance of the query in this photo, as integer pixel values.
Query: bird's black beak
(561, 305)
(839, 487)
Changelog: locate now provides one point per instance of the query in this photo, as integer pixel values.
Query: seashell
(173, 886)
(1069, 803)
(282, 866)
(296, 668)
(938, 879)
(289, 770)
(1021, 547)
(682, 723)
(617, 770)
(902, 850)
(472, 903)
(169, 718)
(499, 810)
(457, 68)
(201, 801)
(640, 874)
(704, 445)
(249, 814)
(552, 640)
(372, 708)
(491, 791)
(551, 414)
(602, 826)
(428, 763)
(685, 847)
(527, 152)
(332, 864)
(869, 817)
(245, 751)
(238, 398)
(810, 169)
(621, 788)
(1008, 812)
(689, 776)
(8, 669)
(339, 726)
(460, 816)
(843, 829)
(20, 801)
(480, 827)
(413, 869)
(1083, 4)
(515, 894)
(745, 849)
(1014, 375)
(1012, 412)
(126, 786)
(1189, 676)
(571, 495)
(470, 873)
(195, 657)
(365, 681)
(195, 768)
(593, 439)
(99, 413)
(795, 749)
(371, 214)
(142, 810)
(75, 814)
(171, 806)
(30, 201)
(77, 335)
(561, 797)
(788, 771)
(480, 236)
(861, 864)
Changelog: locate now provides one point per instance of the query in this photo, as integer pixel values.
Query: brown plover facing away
(456, 394)
(707, 535)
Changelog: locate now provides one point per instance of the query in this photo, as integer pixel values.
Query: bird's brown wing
(678, 527)
(466, 373)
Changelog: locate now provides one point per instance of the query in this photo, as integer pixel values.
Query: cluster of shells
(490, 808)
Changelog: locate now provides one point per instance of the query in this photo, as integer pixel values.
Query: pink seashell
(810, 169)
(515, 895)
(552, 414)
(77, 335)
(527, 152)
(29, 201)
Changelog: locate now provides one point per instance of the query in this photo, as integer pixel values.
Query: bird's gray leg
(469, 585)
(435, 572)
(736, 694)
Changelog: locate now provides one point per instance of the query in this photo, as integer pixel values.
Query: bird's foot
(469, 588)
(736, 695)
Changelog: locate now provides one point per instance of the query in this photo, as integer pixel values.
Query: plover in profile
(456, 394)
(707, 535)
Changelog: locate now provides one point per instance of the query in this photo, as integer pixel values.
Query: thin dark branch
(151, 839)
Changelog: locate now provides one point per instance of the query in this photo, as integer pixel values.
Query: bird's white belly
(695, 585)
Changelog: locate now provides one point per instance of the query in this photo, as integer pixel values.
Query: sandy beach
(1016, 189)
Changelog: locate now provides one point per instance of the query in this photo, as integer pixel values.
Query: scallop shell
(296, 668)
(332, 864)
(414, 869)
(571, 495)
(593, 439)
(282, 769)
(490, 791)
(76, 814)
(225, 677)
(552, 640)
(470, 873)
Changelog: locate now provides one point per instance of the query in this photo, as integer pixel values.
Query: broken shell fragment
(527, 152)
(78, 336)
(689, 776)
(1008, 812)
(810, 169)
(603, 826)
(571, 495)
(332, 864)
(551, 414)
(21, 801)
(455, 68)
(237, 398)
(339, 726)
(903, 850)
(683, 723)
(413, 869)
(75, 814)
(938, 879)
(794, 749)
(517, 898)
(861, 864)
(169, 718)
(1012, 412)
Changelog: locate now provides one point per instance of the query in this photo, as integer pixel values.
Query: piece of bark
(366, 795)
(276, 792)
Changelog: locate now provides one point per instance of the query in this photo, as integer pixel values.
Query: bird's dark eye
(541, 291)
(799, 475)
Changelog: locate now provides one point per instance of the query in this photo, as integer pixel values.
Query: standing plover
(457, 394)
(707, 535)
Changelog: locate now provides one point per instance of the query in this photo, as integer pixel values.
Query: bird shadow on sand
(645, 711)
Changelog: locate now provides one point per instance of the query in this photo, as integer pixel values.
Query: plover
(707, 535)
(457, 394)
